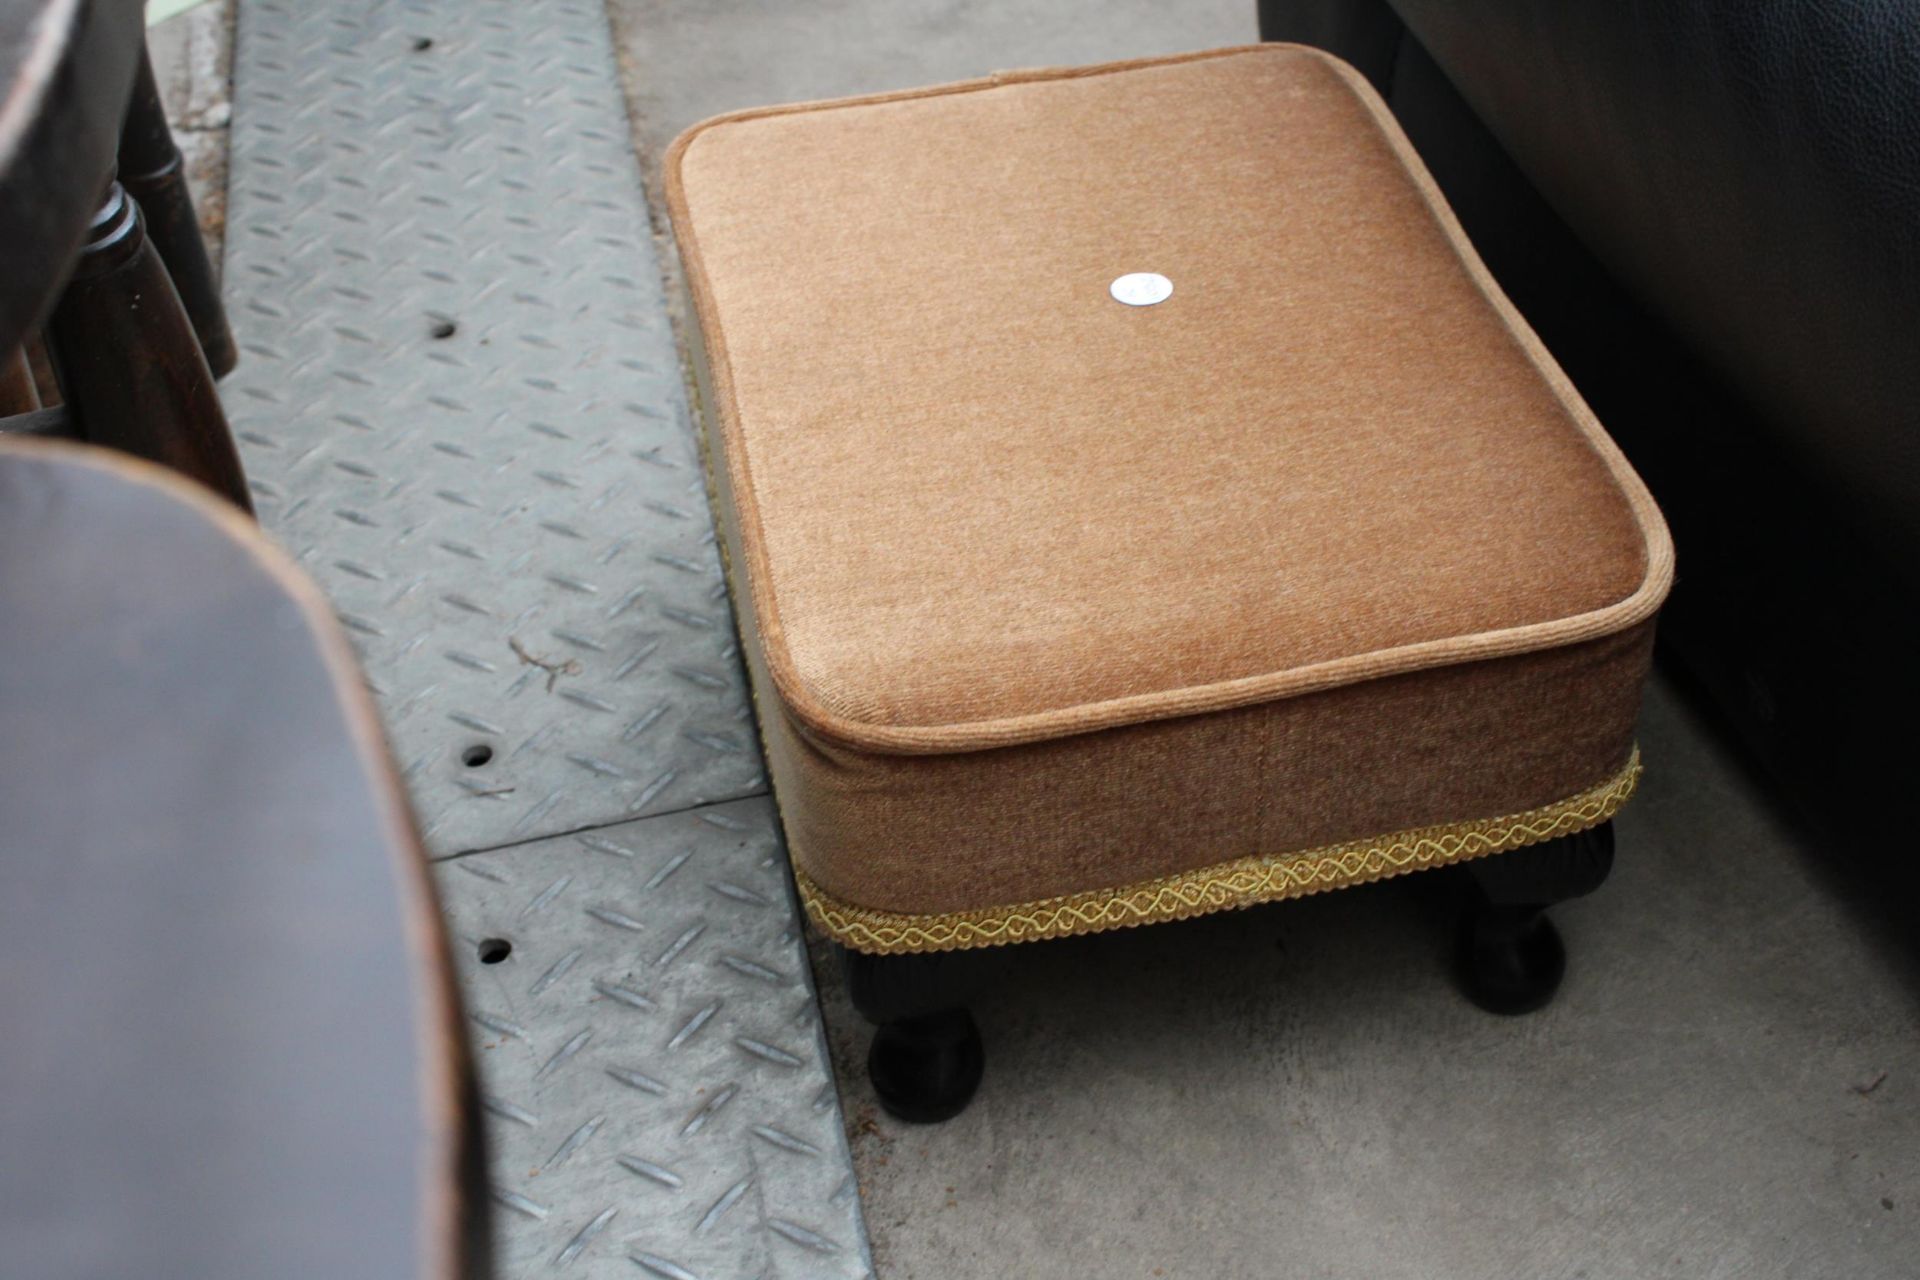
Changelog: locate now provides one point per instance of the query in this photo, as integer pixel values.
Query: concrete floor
(686, 60)
(1729, 1084)
(193, 63)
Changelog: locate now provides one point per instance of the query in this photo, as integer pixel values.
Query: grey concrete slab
(192, 56)
(685, 60)
(1728, 1085)
(193, 64)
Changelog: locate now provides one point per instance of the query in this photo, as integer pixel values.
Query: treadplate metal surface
(652, 1056)
(460, 404)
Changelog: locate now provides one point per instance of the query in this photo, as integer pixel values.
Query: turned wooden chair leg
(131, 370)
(18, 392)
(40, 365)
(153, 174)
(1510, 958)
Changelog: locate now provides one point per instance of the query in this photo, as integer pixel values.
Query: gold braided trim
(1223, 887)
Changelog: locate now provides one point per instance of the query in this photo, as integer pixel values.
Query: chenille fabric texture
(1317, 571)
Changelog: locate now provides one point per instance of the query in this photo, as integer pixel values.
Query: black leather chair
(1710, 210)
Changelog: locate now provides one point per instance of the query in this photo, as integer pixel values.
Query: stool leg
(40, 364)
(927, 1058)
(153, 174)
(1510, 958)
(130, 369)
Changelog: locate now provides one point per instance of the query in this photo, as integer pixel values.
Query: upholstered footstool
(1140, 502)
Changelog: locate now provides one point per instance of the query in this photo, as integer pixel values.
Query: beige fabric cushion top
(974, 504)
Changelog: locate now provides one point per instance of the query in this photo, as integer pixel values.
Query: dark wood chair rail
(66, 75)
(113, 266)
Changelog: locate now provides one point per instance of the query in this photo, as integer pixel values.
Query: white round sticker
(1141, 289)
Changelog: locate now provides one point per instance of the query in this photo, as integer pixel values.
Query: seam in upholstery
(811, 712)
(1225, 886)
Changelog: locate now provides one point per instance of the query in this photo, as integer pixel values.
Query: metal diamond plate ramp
(461, 406)
(460, 403)
(651, 1055)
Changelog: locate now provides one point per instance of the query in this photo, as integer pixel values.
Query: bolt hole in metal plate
(1141, 289)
